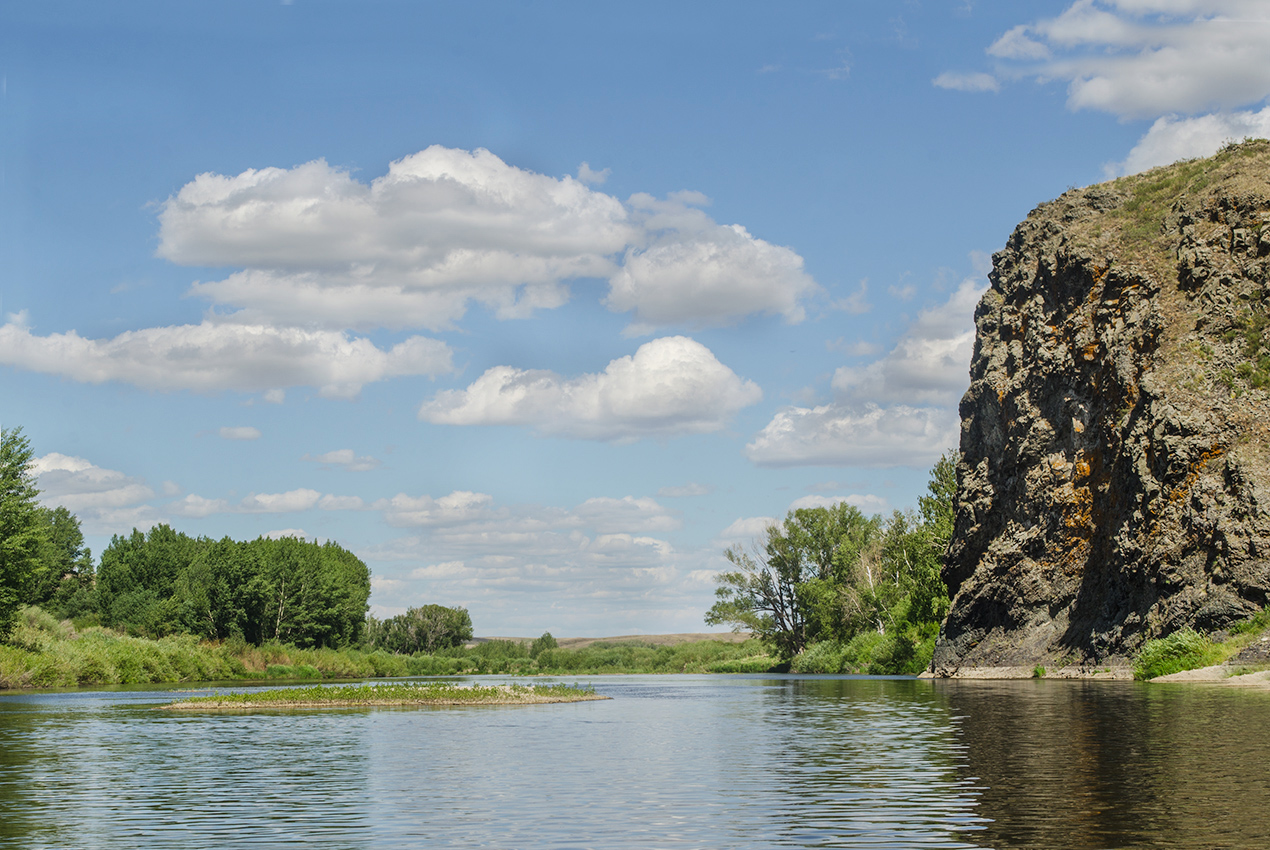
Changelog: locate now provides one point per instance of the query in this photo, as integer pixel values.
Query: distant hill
(1114, 483)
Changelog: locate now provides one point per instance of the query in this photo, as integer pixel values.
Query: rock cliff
(1114, 482)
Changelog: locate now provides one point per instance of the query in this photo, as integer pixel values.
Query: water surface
(670, 761)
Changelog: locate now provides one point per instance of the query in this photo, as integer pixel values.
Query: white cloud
(458, 507)
(1172, 138)
(442, 227)
(869, 436)
(608, 515)
(876, 418)
(744, 531)
(967, 81)
(700, 272)
(591, 177)
(215, 356)
(346, 459)
(291, 501)
(198, 507)
(341, 503)
(931, 362)
(84, 488)
(242, 432)
(280, 503)
(1147, 58)
(280, 533)
(669, 387)
(445, 228)
(867, 503)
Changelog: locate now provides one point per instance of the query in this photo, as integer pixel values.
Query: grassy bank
(425, 693)
(1189, 650)
(45, 653)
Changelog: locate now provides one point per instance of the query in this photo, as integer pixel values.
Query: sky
(539, 308)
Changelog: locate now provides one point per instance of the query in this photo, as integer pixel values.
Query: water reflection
(1112, 764)
(726, 762)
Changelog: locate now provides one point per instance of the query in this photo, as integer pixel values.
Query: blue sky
(539, 307)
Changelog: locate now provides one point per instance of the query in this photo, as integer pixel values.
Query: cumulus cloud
(841, 435)
(1172, 138)
(445, 228)
(214, 356)
(345, 459)
(744, 531)
(701, 272)
(669, 387)
(930, 363)
(897, 411)
(241, 432)
(81, 486)
(867, 503)
(1147, 58)
(607, 515)
(194, 506)
(460, 506)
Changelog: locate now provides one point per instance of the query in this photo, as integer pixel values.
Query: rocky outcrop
(1114, 481)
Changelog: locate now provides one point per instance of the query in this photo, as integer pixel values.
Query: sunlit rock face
(1114, 483)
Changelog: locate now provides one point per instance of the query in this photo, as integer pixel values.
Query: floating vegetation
(390, 693)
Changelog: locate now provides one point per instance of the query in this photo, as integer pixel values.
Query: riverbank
(45, 653)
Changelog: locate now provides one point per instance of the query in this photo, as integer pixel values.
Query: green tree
(64, 582)
(22, 530)
(425, 629)
(787, 589)
(864, 592)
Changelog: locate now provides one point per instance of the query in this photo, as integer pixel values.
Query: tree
(425, 629)
(787, 589)
(63, 583)
(869, 590)
(22, 533)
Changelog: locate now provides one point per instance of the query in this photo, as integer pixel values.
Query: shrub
(1186, 649)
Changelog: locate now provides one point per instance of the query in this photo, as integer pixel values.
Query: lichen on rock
(1115, 438)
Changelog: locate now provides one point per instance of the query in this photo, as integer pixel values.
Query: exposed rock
(1114, 483)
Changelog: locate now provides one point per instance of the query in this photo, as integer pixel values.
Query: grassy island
(411, 693)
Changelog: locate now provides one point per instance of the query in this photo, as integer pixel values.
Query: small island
(388, 694)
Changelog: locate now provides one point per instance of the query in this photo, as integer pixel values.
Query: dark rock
(1114, 481)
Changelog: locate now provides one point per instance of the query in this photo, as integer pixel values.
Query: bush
(1186, 649)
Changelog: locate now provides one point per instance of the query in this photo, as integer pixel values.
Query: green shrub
(1183, 650)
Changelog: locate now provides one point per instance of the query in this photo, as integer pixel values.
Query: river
(669, 762)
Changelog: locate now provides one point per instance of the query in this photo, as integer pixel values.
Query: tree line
(165, 582)
(832, 590)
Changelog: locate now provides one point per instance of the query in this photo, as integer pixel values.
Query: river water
(669, 762)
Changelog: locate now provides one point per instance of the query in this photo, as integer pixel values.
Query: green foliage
(1038, 672)
(165, 582)
(546, 641)
(833, 591)
(22, 526)
(1185, 649)
(426, 629)
(64, 581)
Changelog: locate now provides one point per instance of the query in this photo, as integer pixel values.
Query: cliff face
(1114, 483)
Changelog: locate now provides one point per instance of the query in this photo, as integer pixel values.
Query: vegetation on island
(390, 694)
(830, 590)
